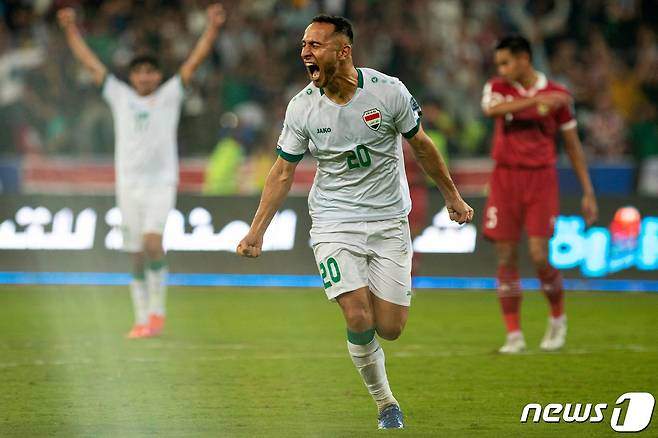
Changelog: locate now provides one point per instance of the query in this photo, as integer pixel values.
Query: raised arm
(277, 186)
(216, 18)
(82, 52)
(577, 157)
(433, 165)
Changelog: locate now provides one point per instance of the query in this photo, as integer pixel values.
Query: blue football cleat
(391, 418)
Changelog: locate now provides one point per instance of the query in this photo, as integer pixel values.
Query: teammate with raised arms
(146, 115)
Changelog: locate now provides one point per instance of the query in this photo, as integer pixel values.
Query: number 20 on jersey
(359, 157)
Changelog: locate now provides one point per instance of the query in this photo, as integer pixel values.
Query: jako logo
(635, 416)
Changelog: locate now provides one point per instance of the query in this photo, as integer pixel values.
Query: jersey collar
(540, 84)
(359, 81)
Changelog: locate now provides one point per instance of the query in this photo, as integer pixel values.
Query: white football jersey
(358, 145)
(145, 131)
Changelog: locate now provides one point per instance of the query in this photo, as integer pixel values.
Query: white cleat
(556, 334)
(514, 344)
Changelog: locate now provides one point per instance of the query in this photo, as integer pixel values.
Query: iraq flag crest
(373, 118)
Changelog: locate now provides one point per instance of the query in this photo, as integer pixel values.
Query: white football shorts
(376, 254)
(144, 210)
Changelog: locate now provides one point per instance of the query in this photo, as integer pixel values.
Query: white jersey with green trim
(145, 131)
(358, 145)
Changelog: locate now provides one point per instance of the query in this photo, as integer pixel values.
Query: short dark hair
(515, 44)
(145, 58)
(341, 24)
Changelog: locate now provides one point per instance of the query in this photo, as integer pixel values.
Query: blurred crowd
(605, 51)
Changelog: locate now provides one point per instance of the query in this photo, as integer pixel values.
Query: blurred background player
(352, 120)
(146, 116)
(529, 111)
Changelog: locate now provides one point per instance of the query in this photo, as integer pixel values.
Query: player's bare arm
(576, 155)
(277, 186)
(433, 164)
(216, 19)
(552, 100)
(82, 52)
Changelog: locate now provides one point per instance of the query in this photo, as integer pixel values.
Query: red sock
(509, 296)
(551, 284)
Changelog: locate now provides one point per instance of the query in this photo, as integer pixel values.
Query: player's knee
(153, 249)
(508, 263)
(539, 258)
(507, 257)
(359, 318)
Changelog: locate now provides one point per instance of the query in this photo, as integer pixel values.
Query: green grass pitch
(273, 363)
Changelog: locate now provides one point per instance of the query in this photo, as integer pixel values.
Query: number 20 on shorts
(330, 270)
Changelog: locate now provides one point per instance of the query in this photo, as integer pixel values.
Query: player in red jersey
(529, 111)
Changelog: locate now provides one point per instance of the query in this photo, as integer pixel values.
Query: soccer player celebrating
(529, 110)
(351, 119)
(145, 122)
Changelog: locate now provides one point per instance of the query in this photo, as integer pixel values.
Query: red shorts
(521, 198)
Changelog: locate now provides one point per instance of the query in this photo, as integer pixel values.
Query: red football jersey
(526, 138)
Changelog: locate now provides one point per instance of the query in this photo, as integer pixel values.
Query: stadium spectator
(223, 169)
(605, 130)
(428, 44)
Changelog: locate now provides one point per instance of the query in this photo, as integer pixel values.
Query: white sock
(157, 290)
(140, 299)
(369, 360)
(559, 320)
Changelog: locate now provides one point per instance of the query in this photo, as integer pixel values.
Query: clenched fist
(66, 18)
(250, 246)
(216, 16)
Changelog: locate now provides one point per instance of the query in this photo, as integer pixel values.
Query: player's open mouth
(313, 71)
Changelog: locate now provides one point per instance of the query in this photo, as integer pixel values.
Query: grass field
(272, 362)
